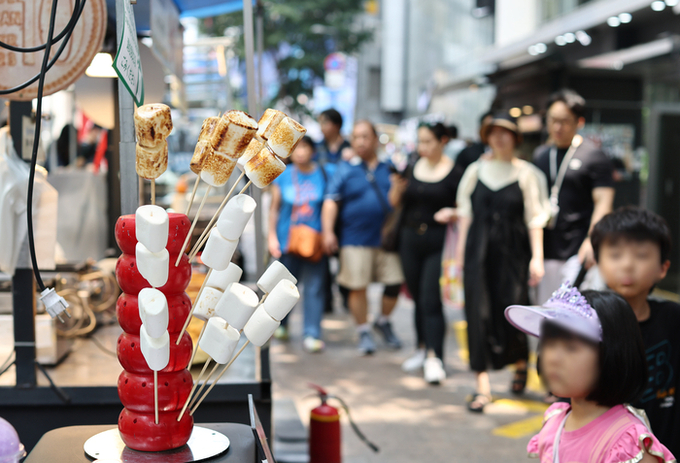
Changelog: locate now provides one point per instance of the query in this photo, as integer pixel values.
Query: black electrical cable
(36, 141)
(70, 25)
(53, 60)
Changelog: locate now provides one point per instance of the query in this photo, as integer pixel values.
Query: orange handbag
(303, 241)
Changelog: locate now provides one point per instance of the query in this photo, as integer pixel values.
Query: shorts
(361, 266)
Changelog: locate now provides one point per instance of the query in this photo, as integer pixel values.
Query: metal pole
(260, 54)
(252, 109)
(129, 189)
(23, 284)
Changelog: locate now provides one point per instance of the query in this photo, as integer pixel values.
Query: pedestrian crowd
(523, 234)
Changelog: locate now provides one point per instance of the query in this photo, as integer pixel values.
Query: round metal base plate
(204, 443)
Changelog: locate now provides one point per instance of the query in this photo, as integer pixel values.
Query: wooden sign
(25, 23)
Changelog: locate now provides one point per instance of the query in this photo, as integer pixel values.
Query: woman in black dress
(502, 209)
(427, 192)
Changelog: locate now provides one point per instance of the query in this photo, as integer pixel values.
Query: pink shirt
(618, 436)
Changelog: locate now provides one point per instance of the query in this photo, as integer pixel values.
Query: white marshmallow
(204, 308)
(153, 266)
(260, 327)
(153, 310)
(263, 168)
(281, 299)
(253, 148)
(285, 137)
(151, 227)
(274, 273)
(237, 305)
(219, 340)
(268, 122)
(156, 351)
(235, 216)
(220, 279)
(218, 251)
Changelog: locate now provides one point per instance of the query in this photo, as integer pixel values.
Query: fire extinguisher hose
(354, 426)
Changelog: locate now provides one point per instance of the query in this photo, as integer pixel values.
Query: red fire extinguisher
(324, 430)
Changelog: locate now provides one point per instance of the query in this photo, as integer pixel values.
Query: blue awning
(187, 8)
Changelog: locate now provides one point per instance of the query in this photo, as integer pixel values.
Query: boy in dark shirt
(632, 247)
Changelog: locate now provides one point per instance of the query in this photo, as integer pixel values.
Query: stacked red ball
(135, 383)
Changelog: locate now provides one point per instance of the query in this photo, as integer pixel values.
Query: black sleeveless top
(421, 200)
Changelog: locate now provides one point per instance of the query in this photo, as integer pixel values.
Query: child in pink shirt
(592, 353)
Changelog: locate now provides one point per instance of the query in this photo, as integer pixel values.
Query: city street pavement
(408, 419)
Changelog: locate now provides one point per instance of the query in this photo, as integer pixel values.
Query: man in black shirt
(632, 247)
(581, 188)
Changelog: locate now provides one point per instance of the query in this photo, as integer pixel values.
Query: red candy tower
(135, 383)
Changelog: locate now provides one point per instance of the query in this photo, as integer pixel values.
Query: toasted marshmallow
(204, 308)
(150, 163)
(156, 351)
(286, 137)
(219, 340)
(153, 124)
(281, 299)
(218, 251)
(153, 310)
(235, 216)
(237, 305)
(233, 133)
(217, 169)
(220, 279)
(263, 168)
(151, 227)
(203, 146)
(271, 277)
(268, 122)
(154, 266)
(254, 147)
(260, 327)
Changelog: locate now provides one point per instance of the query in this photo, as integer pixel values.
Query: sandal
(481, 401)
(519, 382)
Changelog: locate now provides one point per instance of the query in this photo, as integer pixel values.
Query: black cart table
(65, 445)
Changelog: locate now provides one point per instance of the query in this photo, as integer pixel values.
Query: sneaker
(414, 362)
(366, 343)
(313, 345)
(434, 370)
(385, 329)
(281, 333)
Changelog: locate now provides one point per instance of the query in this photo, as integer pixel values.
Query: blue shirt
(302, 196)
(361, 211)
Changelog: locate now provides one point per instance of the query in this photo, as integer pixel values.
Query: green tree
(298, 35)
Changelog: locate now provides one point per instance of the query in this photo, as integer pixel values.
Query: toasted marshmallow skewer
(202, 150)
(285, 137)
(263, 168)
(268, 122)
(153, 124)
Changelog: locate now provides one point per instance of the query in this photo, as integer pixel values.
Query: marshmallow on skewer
(217, 168)
(156, 351)
(221, 279)
(218, 251)
(253, 148)
(235, 216)
(268, 122)
(150, 163)
(204, 308)
(151, 227)
(281, 299)
(219, 340)
(153, 310)
(203, 146)
(237, 305)
(154, 266)
(273, 275)
(260, 327)
(233, 133)
(286, 137)
(263, 168)
(153, 124)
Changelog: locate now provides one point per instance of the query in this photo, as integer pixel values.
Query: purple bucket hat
(567, 308)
